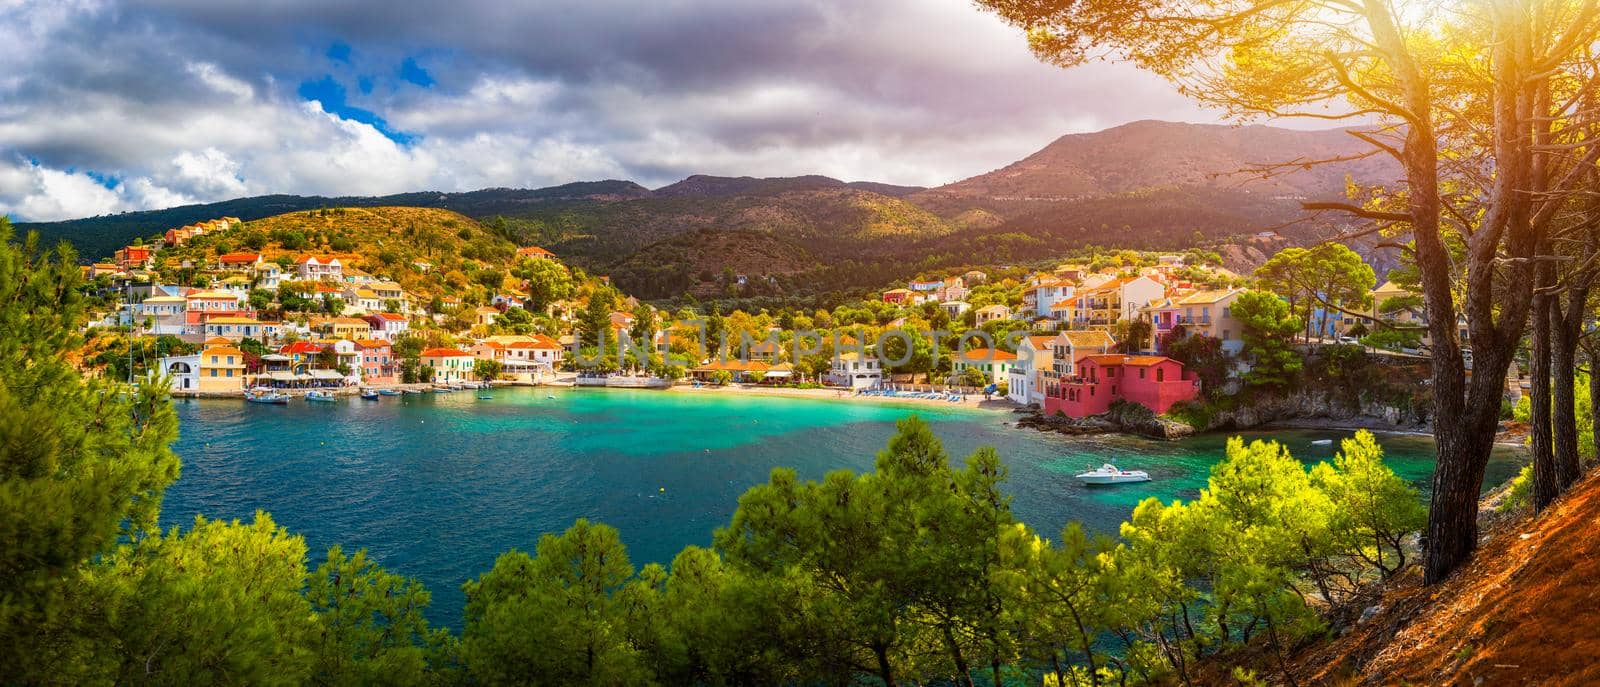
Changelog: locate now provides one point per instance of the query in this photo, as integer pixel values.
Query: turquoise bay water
(436, 486)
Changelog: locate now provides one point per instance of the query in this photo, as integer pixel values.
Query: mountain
(1151, 154)
(1148, 184)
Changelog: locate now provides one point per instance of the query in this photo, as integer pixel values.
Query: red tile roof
(445, 353)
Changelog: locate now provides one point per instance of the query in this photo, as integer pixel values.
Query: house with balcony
(1153, 381)
(1203, 312)
(318, 268)
(854, 370)
(1035, 357)
(234, 328)
(387, 325)
(1040, 299)
(1065, 350)
(375, 362)
(1113, 301)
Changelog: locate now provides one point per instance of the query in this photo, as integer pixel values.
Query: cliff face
(1311, 408)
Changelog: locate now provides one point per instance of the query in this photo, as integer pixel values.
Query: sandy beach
(974, 401)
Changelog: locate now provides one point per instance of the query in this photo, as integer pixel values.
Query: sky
(114, 106)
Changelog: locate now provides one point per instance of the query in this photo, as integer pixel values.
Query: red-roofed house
(534, 252)
(133, 256)
(449, 365)
(315, 267)
(994, 363)
(239, 261)
(1153, 381)
(388, 325)
(302, 355)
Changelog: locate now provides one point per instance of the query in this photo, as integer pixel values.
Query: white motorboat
(1110, 474)
(1322, 442)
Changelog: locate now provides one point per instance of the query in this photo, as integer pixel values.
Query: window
(1141, 373)
(213, 372)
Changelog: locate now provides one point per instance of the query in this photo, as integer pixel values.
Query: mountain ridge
(1148, 184)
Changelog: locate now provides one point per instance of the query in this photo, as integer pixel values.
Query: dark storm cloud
(189, 99)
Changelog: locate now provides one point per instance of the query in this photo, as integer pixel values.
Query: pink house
(378, 365)
(1153, 381)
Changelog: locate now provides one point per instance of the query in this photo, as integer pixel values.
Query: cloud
(193, 100)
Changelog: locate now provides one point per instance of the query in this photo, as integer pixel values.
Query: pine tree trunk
(1546, 484)
(1594, 399)
(1563, 377)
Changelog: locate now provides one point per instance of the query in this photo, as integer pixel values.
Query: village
(1072, 340)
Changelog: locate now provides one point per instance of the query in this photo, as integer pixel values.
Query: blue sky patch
(339, 52)
(413, 73)
(333, 98)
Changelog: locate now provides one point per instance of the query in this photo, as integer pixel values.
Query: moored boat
(266, 396)
(319, 396)
(369, 394)
(389, 392)
(1110, 474)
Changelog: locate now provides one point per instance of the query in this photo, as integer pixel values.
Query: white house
(184, 371)
(268, 275)
(955, 308)
(387, 325)
(313, 268)
(854, 370)
(1035, 356)
(1042, 297)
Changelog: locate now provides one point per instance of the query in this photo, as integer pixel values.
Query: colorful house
(315, 267)
(221, 368)
(1204, 312)
(239, 261)
(387, 325)
(897, 295)
(990, 313)
(133, 257)
(448, 365)
(1153, 381)
(234, 328)
(342, 327)
(994, 363)
(534, 252)
(376, 362)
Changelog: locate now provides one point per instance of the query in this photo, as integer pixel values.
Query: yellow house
(221, 368)
(353, 328)
(1386, 291)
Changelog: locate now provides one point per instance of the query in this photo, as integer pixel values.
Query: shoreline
(973, 402)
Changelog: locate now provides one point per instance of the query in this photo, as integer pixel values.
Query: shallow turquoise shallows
(435, 486)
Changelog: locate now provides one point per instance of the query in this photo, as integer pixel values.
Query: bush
(1518, 494)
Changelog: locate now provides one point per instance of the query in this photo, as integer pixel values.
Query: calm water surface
(436, 486)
